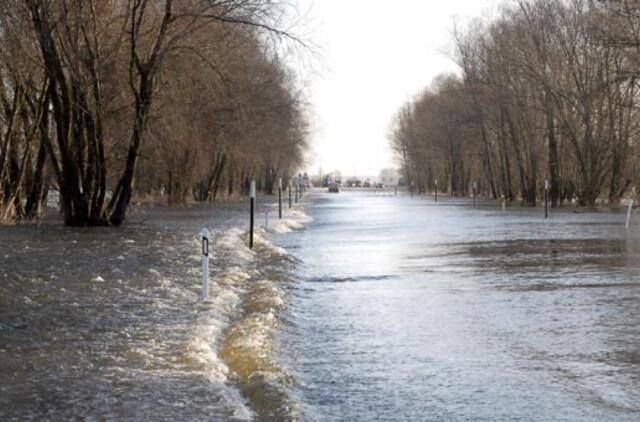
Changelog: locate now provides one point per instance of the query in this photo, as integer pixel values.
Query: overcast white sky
(376, 55)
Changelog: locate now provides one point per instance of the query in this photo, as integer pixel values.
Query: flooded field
(357, 306)
(410, 310)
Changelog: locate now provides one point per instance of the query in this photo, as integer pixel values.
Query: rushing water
(367, 307)
(106, 323)
(409, 310)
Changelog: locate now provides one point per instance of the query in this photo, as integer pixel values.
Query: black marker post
(280, 198)
(252, 194)
(546, 199)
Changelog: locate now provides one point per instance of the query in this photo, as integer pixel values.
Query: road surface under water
(404, 309)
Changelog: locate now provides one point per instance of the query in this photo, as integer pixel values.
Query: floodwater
(356, 307)
(106, 323)
(410, 310)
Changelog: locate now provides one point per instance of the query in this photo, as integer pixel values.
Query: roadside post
(280, 198)
(546, 199)
(504, 203)
(205, 263)
(436, 190)
(289, 188)
(252, 195)
(630, 210)
(475, 192)
(302, 190)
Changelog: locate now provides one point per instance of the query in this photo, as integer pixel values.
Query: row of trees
(104, 100)
(548, 91)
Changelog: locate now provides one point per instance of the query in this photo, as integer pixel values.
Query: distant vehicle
(354, 183)
(366, 184)
(379, 185)
(329, 179)
(334, 188)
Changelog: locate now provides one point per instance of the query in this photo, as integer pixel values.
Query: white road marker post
(475, 193)
(252, 195)
(205, 264)
(436, 190)
(631, 201)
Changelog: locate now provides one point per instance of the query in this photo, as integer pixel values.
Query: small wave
(295, 220)
(198, 353)
(247, 348)
(265, 248)
(351, 279)
(248, 351)
(232, 247)
(285, 226)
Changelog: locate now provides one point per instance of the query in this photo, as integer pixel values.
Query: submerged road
(405, 309)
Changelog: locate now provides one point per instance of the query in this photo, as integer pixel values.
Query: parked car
(334, 188)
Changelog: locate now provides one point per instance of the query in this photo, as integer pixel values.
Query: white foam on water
(264, 246)
(295, 219)
(197, 352)
(300, 215)
(231, 276)
(232, 330)
(266, 295)
(232, 245)
(285, 226)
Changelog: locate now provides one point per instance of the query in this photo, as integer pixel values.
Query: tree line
(548, 92)
(105, 101)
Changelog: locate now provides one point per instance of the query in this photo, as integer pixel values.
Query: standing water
(410, 310)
